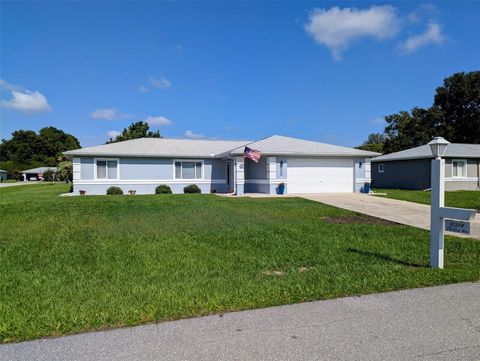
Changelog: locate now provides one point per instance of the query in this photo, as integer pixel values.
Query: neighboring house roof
(454, 150)
(201, 148)
(3, 171)
(39, 170)
(160, 147)
(281, 145)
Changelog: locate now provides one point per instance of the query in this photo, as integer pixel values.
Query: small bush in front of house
(192, 188)
(163, 189)
(112, 191)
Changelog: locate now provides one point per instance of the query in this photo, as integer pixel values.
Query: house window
(188, 170)
(459, 168)
(380, 168)
(107, 169)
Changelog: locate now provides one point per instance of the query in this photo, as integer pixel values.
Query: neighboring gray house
(36, 173)
(219, 166)
(3, 175)
(410, 169)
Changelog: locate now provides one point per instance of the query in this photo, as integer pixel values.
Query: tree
(459, 101)
(135, 131)
(65, 171)
(374, 143)
(27, 149)
(410, 129)
(54, 141)
(21, 148)
(454, 115)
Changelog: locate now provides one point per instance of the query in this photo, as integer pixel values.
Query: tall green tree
(459, 101)
(22, 147)
(410, 129)
(454, 115)
(374, 143)
(54, 141)
(135, 131)
(27, 149)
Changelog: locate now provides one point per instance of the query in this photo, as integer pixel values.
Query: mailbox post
(438, 211)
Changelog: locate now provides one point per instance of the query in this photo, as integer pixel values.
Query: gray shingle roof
(161, 147)
(201, 148)
(454, 150)
(281, 145)
(39, 170)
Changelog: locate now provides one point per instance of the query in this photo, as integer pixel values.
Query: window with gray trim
(459, 168)
(107, 169)
(188, 170)
(381, 168)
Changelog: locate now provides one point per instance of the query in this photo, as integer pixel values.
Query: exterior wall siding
(144, 174)
(282, 167)
(256, 170)
(415, 174)
(362, 174)
(405, 174)
(86, 168)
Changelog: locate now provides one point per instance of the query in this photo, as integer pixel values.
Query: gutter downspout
(478, 174)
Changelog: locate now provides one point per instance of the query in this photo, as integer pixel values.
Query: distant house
(410, 168)
(3, 175)
(219, 166)
(36, 173)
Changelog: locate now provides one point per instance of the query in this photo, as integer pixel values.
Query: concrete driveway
(427, 324)
(409, 213)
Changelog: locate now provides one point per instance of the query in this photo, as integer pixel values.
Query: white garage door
(320, 175)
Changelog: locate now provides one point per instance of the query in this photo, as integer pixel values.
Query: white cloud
(378, 120)
(143, 89)
(105, 113)
(109, 114)
(432, 35)
(160, 120)
(23, 99)
(337, 28)
(112, 134)
(192, 135)
(162, 83)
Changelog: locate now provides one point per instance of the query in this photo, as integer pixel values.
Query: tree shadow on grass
(385, 257)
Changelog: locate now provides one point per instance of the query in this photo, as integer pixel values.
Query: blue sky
(236, 70)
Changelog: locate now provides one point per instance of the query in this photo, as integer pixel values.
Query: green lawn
(460, 199)
(70, 264)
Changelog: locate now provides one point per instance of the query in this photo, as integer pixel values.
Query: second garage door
(320, 175)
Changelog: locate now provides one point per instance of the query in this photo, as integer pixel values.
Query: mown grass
(459, 199)
(71, 264)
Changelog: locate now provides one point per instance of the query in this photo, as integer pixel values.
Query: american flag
(252, 154)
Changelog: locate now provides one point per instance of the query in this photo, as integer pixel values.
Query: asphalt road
(437, 323)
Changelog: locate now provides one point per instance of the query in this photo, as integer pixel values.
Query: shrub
(15, 174)
(114, 191)
(65, 171)
(49, 176)
(192, 188)
(163, 189)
